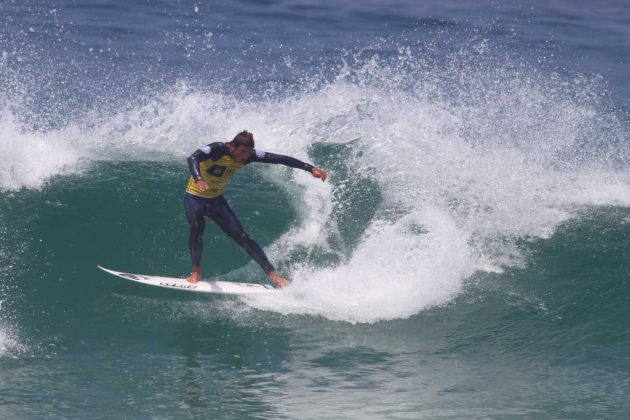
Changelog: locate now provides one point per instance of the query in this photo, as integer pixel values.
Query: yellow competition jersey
(216, 167)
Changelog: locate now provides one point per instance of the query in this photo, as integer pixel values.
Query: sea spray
(504, 156)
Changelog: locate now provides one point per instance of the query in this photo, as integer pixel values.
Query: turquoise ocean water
(467, 258)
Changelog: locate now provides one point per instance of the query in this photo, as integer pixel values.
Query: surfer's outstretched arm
(266, 157)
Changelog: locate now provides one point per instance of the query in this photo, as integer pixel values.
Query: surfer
(211, 168)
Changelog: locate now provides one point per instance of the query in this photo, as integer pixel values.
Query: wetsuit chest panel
(216, 173)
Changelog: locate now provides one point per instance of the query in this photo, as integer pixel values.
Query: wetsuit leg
(195, 211)
(225, 218)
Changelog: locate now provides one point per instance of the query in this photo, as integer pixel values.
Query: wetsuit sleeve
(193, 161)
(266, 157)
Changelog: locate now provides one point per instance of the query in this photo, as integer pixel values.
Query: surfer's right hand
(201, 184)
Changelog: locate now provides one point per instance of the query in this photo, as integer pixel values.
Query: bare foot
(277, 280)
(194, 277)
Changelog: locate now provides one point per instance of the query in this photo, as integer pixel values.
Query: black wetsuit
(214, 164)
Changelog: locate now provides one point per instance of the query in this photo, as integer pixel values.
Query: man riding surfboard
(211, 167)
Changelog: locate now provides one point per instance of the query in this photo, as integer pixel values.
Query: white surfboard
(220, 287)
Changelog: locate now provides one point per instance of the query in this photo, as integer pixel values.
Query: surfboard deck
(215, 286)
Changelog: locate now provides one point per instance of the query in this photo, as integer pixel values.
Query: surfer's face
(240, 153)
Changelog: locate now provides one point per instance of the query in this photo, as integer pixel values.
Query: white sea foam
(31, 158)
(466, 162)
(8, 341)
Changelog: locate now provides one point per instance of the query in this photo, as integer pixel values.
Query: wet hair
(244, 138)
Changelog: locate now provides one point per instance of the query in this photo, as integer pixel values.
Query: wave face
(438, 168)
(444, 165)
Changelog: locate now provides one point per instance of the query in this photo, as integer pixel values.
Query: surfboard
(215, 286)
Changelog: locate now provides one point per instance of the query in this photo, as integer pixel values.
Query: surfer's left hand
(319, 173)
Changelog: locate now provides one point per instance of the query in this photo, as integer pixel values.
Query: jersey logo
(260, 154)
(216, 170)
(206, 149)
